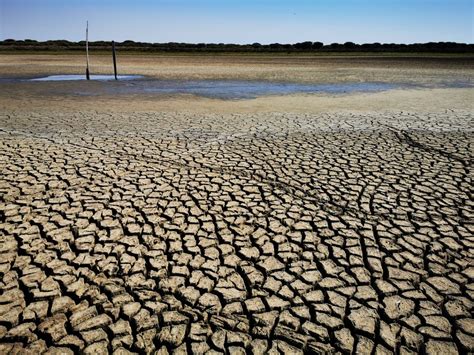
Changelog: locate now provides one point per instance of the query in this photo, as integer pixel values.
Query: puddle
(83, 77)
(237, 89)
(219, 89)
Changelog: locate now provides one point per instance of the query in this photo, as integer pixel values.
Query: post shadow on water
(220, 89)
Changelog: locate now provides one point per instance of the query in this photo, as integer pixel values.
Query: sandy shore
(296, 224)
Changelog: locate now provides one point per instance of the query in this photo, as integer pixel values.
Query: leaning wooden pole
(115, 60)
(88, 77)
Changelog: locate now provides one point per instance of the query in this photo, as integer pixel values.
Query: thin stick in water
(87, 51)
(115, 59)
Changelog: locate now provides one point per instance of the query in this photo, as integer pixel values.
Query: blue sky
(240, 21)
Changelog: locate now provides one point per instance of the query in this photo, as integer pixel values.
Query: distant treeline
(60, 45)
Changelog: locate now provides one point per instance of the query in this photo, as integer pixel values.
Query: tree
(305, 46)
(350, 45)
(318, 45)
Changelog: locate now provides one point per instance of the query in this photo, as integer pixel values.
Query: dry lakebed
(237, 204)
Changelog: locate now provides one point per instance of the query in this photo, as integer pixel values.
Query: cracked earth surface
(238, 233)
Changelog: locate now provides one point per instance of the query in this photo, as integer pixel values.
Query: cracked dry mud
(251, 233)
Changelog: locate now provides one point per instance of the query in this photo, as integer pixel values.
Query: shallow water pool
(219, 89)
(241, 89)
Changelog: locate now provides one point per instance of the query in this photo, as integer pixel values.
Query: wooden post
(115, 60)
(87, 52)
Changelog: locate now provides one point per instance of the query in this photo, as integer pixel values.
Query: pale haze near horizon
(245, 21)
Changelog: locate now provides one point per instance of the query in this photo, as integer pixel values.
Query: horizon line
(235, 43)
